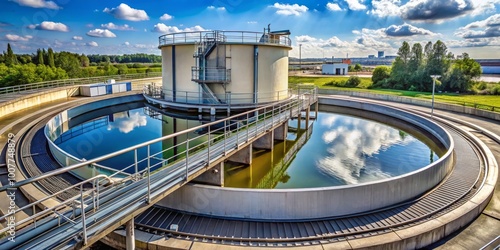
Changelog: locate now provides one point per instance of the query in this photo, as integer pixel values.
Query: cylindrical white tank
(225, 67)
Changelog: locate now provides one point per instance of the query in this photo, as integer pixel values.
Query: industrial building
(336, 67)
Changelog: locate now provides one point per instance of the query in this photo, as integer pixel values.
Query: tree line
(414, 65)
(47, 65)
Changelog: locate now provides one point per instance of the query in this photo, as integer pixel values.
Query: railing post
(97, 196)
(93, 195)
(84, 224)
(136, 165)
(225, 135)
(237, 135)
(187, 157)
(247, 127)
(34, 212)
(272, 118)
(208, 150)
(149, 174)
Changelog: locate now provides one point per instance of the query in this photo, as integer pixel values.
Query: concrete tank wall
(241, 65)
(166, 69)
(184, 61)
(320, 202)
(273, 72)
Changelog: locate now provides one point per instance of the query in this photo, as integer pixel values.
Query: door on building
(337, 71)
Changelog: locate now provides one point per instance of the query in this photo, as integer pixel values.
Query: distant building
(335, 68)
(390, 57)
(371, 56)
(381, 54)
(490, 66)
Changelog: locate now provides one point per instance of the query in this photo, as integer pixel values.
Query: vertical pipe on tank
(174, 88)
(255, 72)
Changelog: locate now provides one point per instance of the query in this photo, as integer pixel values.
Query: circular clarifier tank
(341, 147)
(354, 157)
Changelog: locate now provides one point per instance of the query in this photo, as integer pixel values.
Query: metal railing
(159, 174)
(71, 82)
(228, 37)
(228, 98)
(206, 74)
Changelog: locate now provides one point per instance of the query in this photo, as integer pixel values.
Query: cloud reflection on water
(350, 142)
(125, 123)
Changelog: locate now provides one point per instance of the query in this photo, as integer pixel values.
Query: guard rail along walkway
(115, 199)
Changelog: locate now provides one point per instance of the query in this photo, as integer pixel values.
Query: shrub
(495, 90)
(481, 85)
(380, 73)
(353, 82)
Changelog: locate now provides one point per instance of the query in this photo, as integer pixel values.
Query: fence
(75, 81)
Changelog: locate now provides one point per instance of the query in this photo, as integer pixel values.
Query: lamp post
(300, 57)
(433, 87)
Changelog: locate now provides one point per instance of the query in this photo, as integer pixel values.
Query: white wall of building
(335, 69)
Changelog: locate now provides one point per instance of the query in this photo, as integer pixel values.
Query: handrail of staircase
(58, 206)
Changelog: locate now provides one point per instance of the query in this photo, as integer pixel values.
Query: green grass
(478, 101)
(320, 81)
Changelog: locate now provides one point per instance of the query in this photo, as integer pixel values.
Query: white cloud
(48, 25)
(333, 7)
(101, 33)
(491, 21)
(252, 22)
(334, 42)
(123, 11)
(78, 38)
(112, 26)
(16, 38)
(38, 4)
(304, 39)
(290, 9)
(406, 30)
(435, 11)
(211, 7)
(487, 28)
(91, 44)
(484, 6)
(385, 8)
(126, 43)
(163, 28)
(355, 5)
(166, 17)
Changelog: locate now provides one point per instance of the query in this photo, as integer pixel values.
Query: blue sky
(324, 28)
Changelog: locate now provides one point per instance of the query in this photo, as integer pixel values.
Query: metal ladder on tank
(203, 49)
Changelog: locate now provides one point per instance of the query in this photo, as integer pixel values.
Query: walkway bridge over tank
(107, 201)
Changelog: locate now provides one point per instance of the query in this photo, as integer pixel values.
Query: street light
(433, 87)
